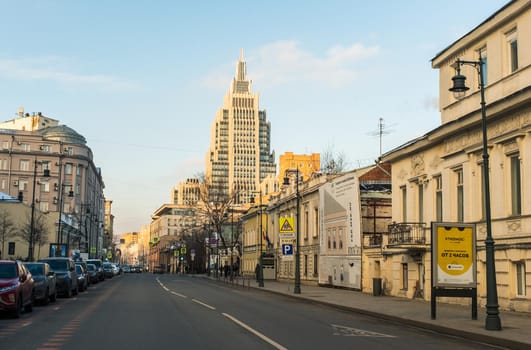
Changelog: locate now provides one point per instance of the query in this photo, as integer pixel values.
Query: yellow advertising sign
(455, 250)
(286, 225)
(455, 254)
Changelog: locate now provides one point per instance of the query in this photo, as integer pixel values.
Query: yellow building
(439, 176)
(12, 245)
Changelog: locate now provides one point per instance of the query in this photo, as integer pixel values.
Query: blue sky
(142, 80)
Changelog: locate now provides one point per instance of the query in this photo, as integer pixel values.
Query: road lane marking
(355, 332)
(255, 332)
(178, 294)
(205, 305)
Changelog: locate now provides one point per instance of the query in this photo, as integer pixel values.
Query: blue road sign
(287, 249)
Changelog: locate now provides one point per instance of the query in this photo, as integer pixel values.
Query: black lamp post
(492, 321)
(297, 289)
(260, 258)
(31, 245)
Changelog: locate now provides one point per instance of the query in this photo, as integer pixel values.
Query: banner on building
(340, 240)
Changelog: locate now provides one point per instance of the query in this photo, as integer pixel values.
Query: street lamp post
(260, 234)
(297, 289)
(31, 245)
(59, 228)
(492, 321)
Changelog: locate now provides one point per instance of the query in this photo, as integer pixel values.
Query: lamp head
(459, 89)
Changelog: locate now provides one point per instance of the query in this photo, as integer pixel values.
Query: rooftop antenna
(382, 130)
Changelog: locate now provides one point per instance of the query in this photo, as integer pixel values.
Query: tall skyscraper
(240, 157)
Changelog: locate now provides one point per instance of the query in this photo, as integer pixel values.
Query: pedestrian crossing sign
(286, 225)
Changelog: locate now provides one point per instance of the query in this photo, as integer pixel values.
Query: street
(145, 311)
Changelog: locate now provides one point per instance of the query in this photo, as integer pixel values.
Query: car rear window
(35, 269)
(61, 265)
(8, 271)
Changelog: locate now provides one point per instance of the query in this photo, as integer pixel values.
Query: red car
(16, 287)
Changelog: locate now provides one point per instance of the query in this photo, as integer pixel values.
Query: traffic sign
(286, 225)
(287, 249)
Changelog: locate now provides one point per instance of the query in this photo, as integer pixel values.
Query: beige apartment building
(239, 157)
(438, 177)
(50, 165)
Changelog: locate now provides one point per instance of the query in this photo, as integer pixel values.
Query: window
(404, 276)
(11, 248)
(68, 168)
(438, 198)
(520, 278)
(44, 207)
(46, 148)
(22, 185)
(25, 147)
(69, 151)
(3, 164)
(403, 192)
(46, 165)
(512, 46)
(460, 195)
(516, 187)
(24, 165)
(316, 222)
(45, 186)
(483, 62)
(306, 224)
(420, 188)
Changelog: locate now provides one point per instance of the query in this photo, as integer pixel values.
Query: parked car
(85, 270)
(65, 271)
(44, 281)
(126, 268)
(108, 270)
(16, 288)
(81, 279)
(93, 273)
(137, 269)
(99, 267)
(116, 269)
(158, 269)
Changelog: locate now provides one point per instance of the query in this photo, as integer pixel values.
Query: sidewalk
(451, 319)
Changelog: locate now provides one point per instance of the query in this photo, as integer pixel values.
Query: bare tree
(7, 229)
(40, 231)
(332, 162)
(216, 208)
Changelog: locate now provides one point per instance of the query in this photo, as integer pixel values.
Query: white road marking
(355, 332)
(205, 305)
(255, 332)
(178, 294)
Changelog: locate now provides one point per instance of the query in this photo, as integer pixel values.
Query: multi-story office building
(239, 157)
(50, 165)
(439, 176)
(187, 192)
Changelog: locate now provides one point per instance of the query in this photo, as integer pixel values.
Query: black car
(65, 271)
(45, 281)
(99, 267)
(93, 274)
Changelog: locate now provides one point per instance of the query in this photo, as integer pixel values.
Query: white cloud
(285, 62)
(46, 69)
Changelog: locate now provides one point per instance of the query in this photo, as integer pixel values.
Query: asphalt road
(145, 311)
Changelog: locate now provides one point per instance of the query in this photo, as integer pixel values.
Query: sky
(142, 80)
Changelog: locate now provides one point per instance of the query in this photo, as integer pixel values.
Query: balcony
(372, 240)
(406, 233)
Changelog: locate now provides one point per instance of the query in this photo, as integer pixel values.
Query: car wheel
(69, 291)
(18, 310)
(29, 307)
(46, 299)
(53, 297)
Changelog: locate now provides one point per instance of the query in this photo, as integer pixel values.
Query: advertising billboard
(454, 255)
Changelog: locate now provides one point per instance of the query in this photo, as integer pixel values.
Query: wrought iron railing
(406, 233)
(372, 240)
